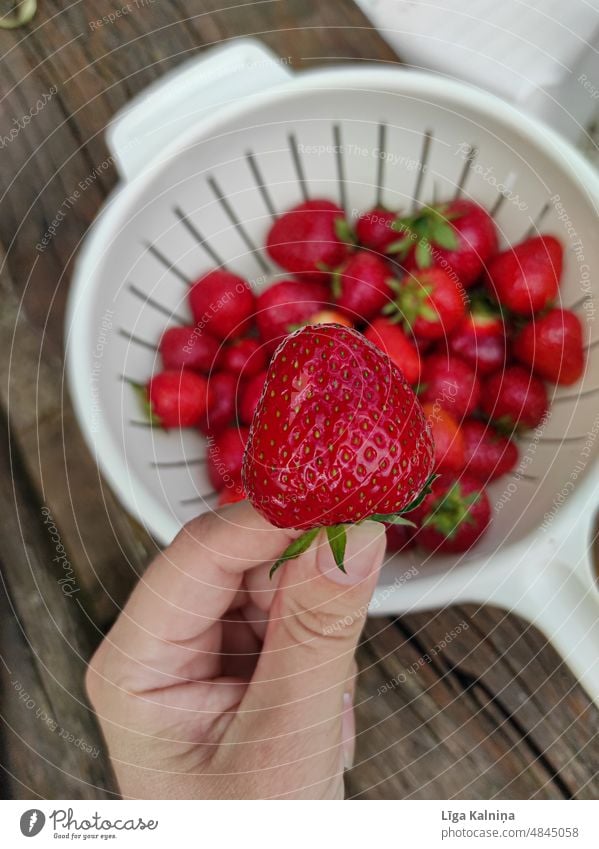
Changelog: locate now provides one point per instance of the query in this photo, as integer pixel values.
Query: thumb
(306, 664)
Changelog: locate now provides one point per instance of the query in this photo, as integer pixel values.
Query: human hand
(218, 683)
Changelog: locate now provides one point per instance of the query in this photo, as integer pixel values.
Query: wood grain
(494, 714)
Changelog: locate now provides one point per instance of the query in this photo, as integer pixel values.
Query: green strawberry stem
(141, 392)
(412, 301)
(337, 534)
(344, 232)
(430, 226)
(452, 511)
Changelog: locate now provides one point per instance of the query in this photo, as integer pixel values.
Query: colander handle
(549, 580)
(171, 105)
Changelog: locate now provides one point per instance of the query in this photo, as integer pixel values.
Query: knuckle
(307, 623)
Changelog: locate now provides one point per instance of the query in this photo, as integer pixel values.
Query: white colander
(208, 157)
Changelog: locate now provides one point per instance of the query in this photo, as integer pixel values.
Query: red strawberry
(225, 457)
(231, 494)
(222, 303)
(338, 437)
(186, 347)
(249, 397)
(374, 229)
(454, 516)
(451, 383)
(429, 304)
(552, 346)
(287, 305)
(458, 237)
(488, 454)
(480, 340)
(392, 339)
(245, 357)
(525, 277)
(360, 286)
(310, 239)
(398, 538)
(515, 398)
(177, 398)
(448, 439)
(220, 406)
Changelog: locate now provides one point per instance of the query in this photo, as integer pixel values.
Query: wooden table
(495, 715)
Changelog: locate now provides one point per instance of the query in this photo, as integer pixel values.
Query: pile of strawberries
(473, 329)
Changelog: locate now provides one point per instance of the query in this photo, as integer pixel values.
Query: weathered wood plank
(427, 730)
(54, 745)
(106, 554)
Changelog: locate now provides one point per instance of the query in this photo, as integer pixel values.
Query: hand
(219, 683)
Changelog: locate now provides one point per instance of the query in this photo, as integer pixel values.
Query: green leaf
(336, 284)
(337, 538)
(426, 490)
(430, 314)
(423, 254)
(391, 519)
(344, 231)
(141, 392)
(401, 246)
(394, 284)
(443, 234)
(297, 547)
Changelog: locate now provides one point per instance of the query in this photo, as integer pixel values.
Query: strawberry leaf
(337, 538)
(344, 232)
(423, 254)
(297, 547)
(336, 284)
(391, 519)
(443, 235)
(141, 392)
(401, 246)
(426, 490)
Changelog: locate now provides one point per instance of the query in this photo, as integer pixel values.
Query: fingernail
(348, 731)
(363, 554)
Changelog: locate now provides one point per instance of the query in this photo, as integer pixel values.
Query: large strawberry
(525, 278)
(453, 516)
(287, 305)
(361, 286)
(552, 346)
(393, 340)
(311, 239)
(222, 303)
(459, 237)
(429, 304)
(480, 339)
(338, 437)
